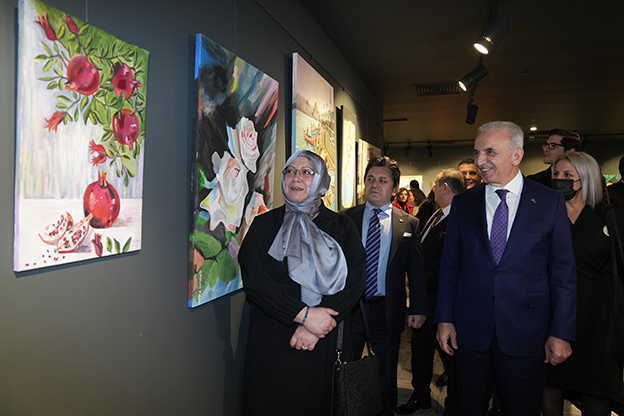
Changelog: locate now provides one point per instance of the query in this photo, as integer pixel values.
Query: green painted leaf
(126, 246)
(61, 105)
(84, 103)
(41, 57)
(88, 41)
(93, 117)
(109, 244)
(228, 270)
(56, 49)
(126, 181)
(130, 173)
(46, 78)
(47, 49)
(207, 276)
(48, 65)
(117, 246)
(107, 136)
(206, 244)
(83, 29)
(65, 99)
(107, 86)
(100, 93)
(85, 115)
(52, 85)
(76, 115)
(60, 33)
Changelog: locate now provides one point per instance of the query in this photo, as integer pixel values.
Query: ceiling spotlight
(489, 38)
(533, 128)
(474, 77)
(408, 150)
(472, 113)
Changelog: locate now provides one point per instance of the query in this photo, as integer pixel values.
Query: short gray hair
(589, 172)
(454, 179)
(516, 135)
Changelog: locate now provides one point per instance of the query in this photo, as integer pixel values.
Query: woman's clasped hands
(318, 323)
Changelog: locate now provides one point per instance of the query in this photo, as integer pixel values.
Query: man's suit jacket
(616, 194)
(530, 295)
(544, 177)
(432, 246)
(405, 257)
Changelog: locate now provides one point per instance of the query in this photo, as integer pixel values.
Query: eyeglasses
(551, 145)
(303, 172)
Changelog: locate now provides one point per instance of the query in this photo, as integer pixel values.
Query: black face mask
(566, 187)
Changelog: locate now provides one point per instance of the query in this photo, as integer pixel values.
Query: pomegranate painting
(101, 202)
(80, 128)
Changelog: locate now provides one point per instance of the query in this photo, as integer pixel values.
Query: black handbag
(356, 383)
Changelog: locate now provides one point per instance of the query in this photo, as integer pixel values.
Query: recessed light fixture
(533, 128)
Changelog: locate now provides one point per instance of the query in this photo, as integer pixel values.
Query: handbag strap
(341, 334)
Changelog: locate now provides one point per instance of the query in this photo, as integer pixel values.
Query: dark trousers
(424, 344)
(521, 381)
(384, 346)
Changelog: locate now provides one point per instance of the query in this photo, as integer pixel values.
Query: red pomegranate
(53, 232)
(126, 127)
(102, 202)
(82, 76)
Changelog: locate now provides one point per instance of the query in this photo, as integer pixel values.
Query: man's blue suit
(529, 296)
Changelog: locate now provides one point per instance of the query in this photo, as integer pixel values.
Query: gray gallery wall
(114, 336)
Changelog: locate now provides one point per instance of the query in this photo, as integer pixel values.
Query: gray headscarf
(315, 259)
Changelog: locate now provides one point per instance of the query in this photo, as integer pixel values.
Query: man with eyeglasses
(559, 142)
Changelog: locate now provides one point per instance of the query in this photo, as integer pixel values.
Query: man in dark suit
(449, 182)
(507, 289)
(392, 244)
(616, 191)
(559, 141)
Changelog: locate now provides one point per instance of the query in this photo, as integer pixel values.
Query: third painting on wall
(80, 140)
(314, 120)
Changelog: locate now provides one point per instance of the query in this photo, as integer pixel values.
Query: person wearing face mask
(591, 374)
(303, 269)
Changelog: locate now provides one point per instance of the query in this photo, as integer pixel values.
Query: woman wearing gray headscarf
(303, 269)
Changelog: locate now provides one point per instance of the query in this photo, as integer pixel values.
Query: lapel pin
(533, 200)
(400, 219)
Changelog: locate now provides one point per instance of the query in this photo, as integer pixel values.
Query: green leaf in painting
(228, 266)
(66, 99)
(69, 117)
(84, 103)
(109, 245)
(206, 276)
(61, 105)
(56, 49)
(129, 173)
(41, 57)
(60, 33)
(126, 157)
(117, 246)
(100, 93)
(52, 85)
(126, 181)
(48, 65)
(88, 41)
(126, 246)
(107, 86)
(85, 115)
(57, 71)
(206, 244)
(107, 135)
(46, 78)
(47, 49)
(76, 115)
(75, 95)
(83, 29)
(93, 117)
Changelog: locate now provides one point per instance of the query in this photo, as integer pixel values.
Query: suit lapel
(358, 217)
(480, 222)
(398, 225)
(527, 209)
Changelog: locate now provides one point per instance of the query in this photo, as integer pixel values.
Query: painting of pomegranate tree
(314, 120)
(233, 166)
(80, 140)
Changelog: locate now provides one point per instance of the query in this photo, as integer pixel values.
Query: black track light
(474, 77)
(489, 38)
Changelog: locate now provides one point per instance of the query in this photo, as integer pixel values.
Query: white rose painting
(233, 167)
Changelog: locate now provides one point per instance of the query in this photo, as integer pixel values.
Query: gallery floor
(437, 393)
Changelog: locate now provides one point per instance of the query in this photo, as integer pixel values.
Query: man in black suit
(449, 183)
(392, 251)
(616, 191)
(559, 141)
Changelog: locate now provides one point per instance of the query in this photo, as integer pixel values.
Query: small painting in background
(348, 159)
(314, 120)
(81, 102)
(366, 152)
(233, 166)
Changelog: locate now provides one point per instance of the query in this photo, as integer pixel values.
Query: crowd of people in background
(515, 281)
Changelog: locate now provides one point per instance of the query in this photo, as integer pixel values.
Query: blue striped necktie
(373, 241)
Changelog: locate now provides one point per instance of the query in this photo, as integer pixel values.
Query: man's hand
(303, 340)
(416, 321)
(557, 350)
(446, 332)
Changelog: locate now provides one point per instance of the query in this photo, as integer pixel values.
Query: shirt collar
(386, 209)
(514, 186)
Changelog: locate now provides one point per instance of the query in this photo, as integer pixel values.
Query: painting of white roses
(314, 120)
(347, 160)
(233, 166)
(80, 140)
